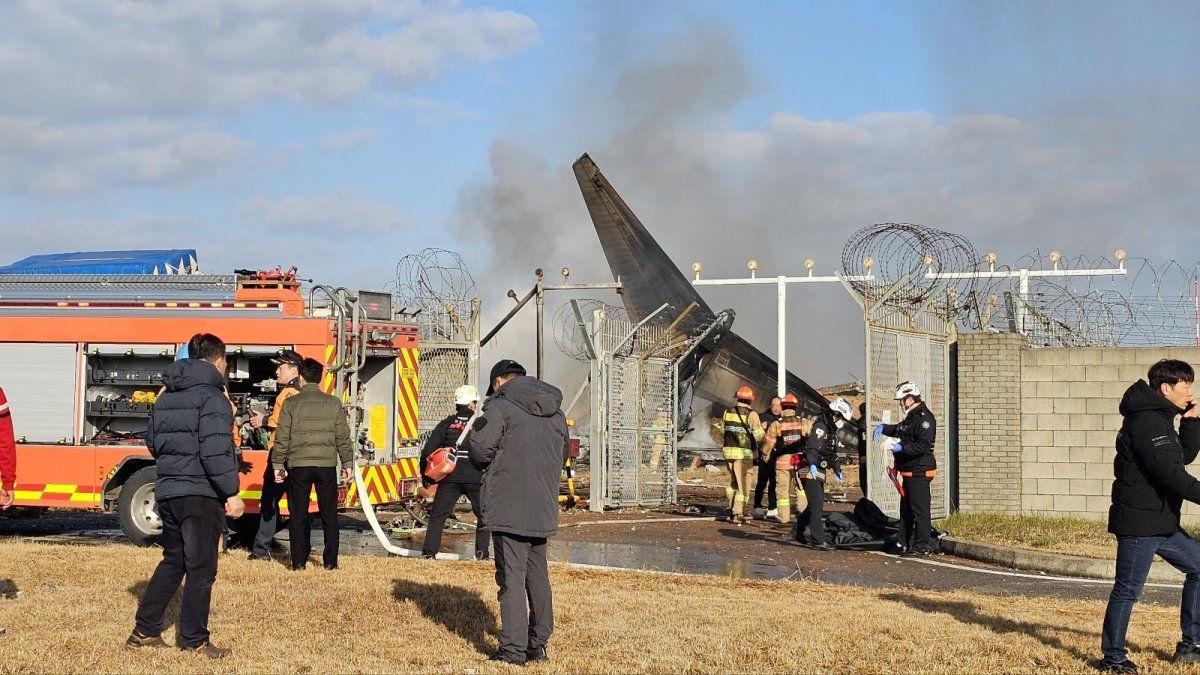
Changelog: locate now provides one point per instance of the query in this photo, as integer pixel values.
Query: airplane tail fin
(648, 275)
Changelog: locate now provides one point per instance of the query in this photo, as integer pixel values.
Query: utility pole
(781, 283)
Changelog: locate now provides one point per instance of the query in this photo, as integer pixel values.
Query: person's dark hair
(311, 370)
(1170, 371)
(206, 346)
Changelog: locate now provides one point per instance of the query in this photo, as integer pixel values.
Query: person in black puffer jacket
(1150, 484)
(190, 435)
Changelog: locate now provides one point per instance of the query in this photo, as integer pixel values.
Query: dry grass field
(392, 615)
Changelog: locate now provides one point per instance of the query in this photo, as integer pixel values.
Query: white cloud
(428, 111)
(42, 158)
(66, 58)
(329, 216)
(346, 140)
(128, 92)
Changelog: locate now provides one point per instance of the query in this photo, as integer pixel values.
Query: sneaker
(136, 641)
(300, 567)
(1126, 666)
(536, 654)
(916, 553)
(773, 513)
(1186, 653)
(208, 649)
(330, 566)
(259, 556)
(823, 546)
(501, 658)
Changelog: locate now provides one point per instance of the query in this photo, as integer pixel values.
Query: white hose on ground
(369, 512)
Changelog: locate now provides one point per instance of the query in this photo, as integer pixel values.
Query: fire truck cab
(82, 354)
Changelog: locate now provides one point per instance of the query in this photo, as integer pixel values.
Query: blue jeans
(1134, 555)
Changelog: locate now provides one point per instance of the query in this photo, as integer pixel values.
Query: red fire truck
(81, 357)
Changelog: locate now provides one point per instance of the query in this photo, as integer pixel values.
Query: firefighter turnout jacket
(784, 438)
(743, 432)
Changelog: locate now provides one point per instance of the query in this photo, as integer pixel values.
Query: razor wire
(1151, 305)
(890, 260)
(567, 337)
(435, 288)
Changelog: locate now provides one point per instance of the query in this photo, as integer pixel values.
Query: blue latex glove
(877, 433)
(897, 448)
(812, 472)
(838, 477)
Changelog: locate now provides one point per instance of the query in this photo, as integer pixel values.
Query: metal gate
(633, 456)
(901, 348)
(444, 366)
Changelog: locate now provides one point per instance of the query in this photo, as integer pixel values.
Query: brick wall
(1066, 413)
(989, 422)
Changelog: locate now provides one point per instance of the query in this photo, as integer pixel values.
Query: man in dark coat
(190, 435)
(521, 445)
(1151, 482)
(464, 480)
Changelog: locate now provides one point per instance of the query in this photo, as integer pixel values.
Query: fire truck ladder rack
(120, 288)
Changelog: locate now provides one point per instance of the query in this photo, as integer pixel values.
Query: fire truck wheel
(137, 510)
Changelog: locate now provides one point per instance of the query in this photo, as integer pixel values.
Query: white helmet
(466, 395)
(842, 407)
(905, 389)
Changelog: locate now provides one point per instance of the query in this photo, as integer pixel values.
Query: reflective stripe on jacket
(792, 432)
(742, 432)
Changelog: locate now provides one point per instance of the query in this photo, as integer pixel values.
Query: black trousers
(191, 533)
(443, 506)
(914, 513)
(526, 603)
(766, 481)
(814, 491)
(300, 480)
(268, 509)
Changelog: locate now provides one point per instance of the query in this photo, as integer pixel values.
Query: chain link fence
(635, 460)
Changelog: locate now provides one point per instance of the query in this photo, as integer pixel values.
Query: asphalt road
(663, 541)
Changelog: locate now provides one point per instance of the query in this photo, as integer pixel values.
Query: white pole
(1024, 296)
(782, 337)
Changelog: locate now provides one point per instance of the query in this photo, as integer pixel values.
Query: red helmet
(790, 401)
(746, 394)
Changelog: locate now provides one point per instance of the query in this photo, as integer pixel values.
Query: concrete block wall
(989, 422)
(1067, 416)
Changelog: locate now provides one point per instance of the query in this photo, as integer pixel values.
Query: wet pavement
(666, 542)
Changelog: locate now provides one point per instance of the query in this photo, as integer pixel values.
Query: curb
(1052, 563)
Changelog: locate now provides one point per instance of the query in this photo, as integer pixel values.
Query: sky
(342, 135)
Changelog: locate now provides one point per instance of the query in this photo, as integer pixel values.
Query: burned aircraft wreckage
(722, 361)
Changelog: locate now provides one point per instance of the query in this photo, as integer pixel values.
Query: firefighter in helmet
(743, 432)
(783, 440)
(821, 454)
(913, 451)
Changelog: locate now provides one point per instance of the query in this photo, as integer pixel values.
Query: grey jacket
(521, 448)
(312, 431)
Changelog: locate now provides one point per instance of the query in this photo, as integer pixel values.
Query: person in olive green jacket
(311, 439)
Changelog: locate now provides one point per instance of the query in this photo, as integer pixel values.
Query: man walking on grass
(1151, 482)
(190, 435)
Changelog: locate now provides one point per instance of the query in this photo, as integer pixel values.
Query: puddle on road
(605, 554)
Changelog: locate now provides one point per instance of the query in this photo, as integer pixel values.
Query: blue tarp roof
(161, 261)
